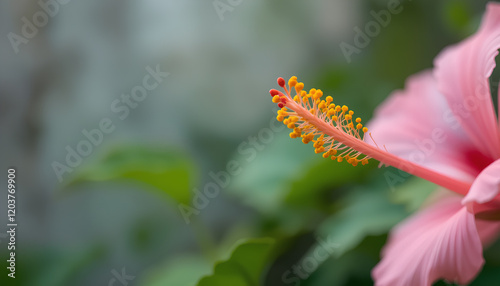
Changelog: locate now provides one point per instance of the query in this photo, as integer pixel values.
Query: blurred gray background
(65, 78)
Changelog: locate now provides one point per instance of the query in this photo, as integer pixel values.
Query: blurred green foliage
(165, 169)
(244, 267)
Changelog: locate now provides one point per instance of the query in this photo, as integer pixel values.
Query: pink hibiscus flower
(442, 128)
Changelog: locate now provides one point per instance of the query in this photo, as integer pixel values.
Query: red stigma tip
(273, 92)
(281, 105)
(281, 82)
(283, 99)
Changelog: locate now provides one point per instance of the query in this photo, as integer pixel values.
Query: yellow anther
(319, 150)
(306, 138)
(299, 86)
(318, 144)
(326, 112)
(318, 94)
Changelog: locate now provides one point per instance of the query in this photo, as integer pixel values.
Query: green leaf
(367, 212)
(60, 269)
(413, 193)
(265, 181)
(288, 172)
(182, 271)
(355, 265)
(164, 169)
(244, 267)
(307, 190)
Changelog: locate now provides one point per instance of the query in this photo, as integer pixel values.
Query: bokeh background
(120, 210)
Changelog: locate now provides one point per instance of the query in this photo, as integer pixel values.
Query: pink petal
(486, 186)
(440, 242)
(489, 231)
(462, 72)
(411, 124)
